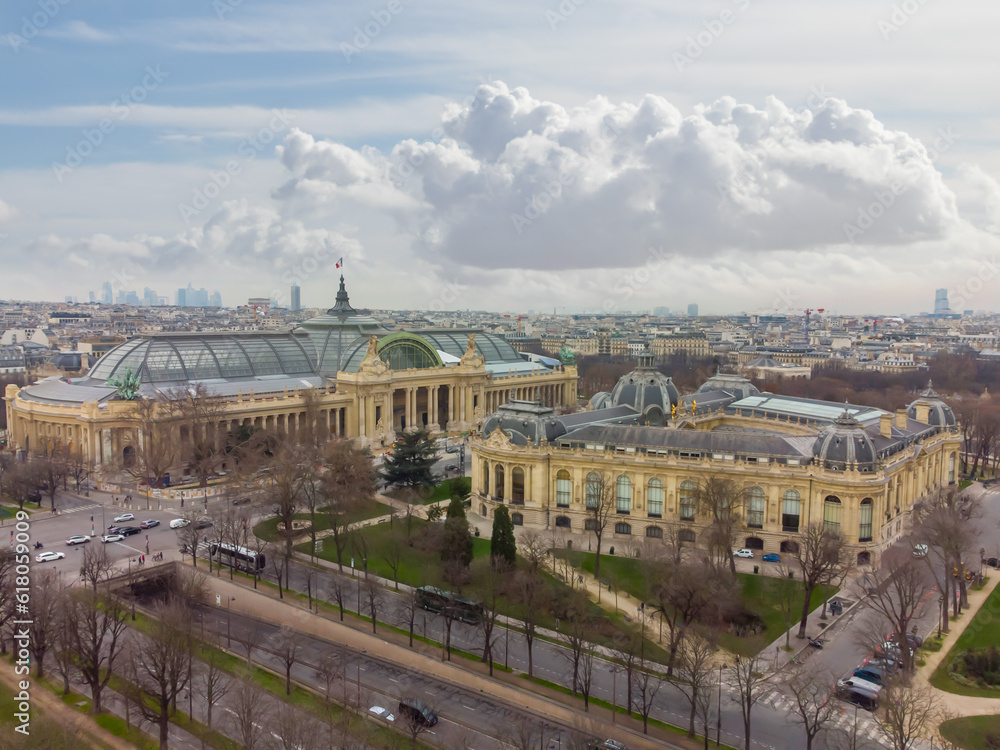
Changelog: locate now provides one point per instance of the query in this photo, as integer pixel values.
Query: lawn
(449, 488)
(979, 634)
(970, 732)
(268, 530)
(760, 596)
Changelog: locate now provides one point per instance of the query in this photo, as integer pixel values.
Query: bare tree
(295, 730)
(289, 473)
(626, 648)
(216, 682)
(52, 467)
(413, 723)
(348, 483)
(160, 666)
(151, 448)
(392, 551)
(748, 678)
(647, 686)
(822, 556)
(695, 670)
(46, 596)
(574, 630)
(721, 500)
(373, 598)
(249, 639)
(600, 508)
(97, 565)
(198, 416)
(906, 713)
(191, 535)
(338, 590)
(286, 646)
(786, 589)
(279, 555)
(489, 579)
(331, 668)
(62, 643)
(896, 592)
(586, 662)
(523, 734)
(8, 571)
(813, 704)
(97, 628)
(532, 602)
(249, 715)
(407, 607)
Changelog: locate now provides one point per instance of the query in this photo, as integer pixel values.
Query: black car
(129, 530)
(202, 523)
(115, 529)
(992, 562)
(149, 524)
(417, 712)
(242, 501)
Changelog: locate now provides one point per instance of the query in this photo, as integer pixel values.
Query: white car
(78, 539)
(920, 550)
(112, 538)
(748, 553)
(49, 556)
(124, 517)
(382, 713)
(179, 523)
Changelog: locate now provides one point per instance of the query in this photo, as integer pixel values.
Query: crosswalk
(78, 509)
(844, 720)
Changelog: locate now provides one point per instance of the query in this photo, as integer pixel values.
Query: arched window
(831, 513)
(562, 522)
(654, 532)
(755, 508)
(791, 507)
(686, 535)
(654, 498)
(865, 520)
(593, 490)
(790, 547)
(486, 477)
(590, 524)
(687, 501)
(517, 486)
(623, 528)
(517, 519)
(498, 488)
(563, 488)
(864, 558)
(623, 494)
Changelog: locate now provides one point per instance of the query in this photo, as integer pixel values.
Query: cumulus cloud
(7, 211)
(512, 181)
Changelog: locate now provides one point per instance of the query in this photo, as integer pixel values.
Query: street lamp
(229, 619)
(718, 716)
(940, 615)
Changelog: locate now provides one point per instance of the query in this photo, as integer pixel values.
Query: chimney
(924, 413)
(901, 418)
(885, 425)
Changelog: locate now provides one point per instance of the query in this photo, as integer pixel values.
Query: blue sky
(757, 132)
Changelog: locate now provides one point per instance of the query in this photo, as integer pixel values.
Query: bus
(240, 558)
(437, 600)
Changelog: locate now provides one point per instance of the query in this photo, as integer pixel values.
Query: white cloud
(80, 30)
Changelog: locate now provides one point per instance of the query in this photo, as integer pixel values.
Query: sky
(575, 155)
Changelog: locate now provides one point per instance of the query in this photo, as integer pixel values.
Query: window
(755, 508)
(865, 520)
(517, 519)
(687, 501)
(593, 490)
(590, 524)
(486, 477)
(654, 532)
(831, 513)
(517, 486)
(623, 494)
(790, 508)
(790, 547)
(563, 488)
(686, 535)
(951, 469)
(562, 522)
(623, 528)
(654, 498)
(498, 488)
(753, 542)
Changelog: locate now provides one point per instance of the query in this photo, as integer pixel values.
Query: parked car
(746, 553)
(179, 523)
(859, 696)
(851, 680)
(112, 538)
(451, 449)
(382, 713)
(451, 467)
(416, 711)
(78, 539)
(606, 745)
(872, 673)
(114, 529)
(241, 501)
(920, 550)
(772, 557)
(992, 562)
(49, 556)
(124, 517)
(202, 523)
(913, 639)
(149, 524)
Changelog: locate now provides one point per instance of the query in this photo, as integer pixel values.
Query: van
(415, 711)
(858, 682)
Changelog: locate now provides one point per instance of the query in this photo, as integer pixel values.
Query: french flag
(340, 263)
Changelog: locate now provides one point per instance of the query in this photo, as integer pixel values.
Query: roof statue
(127, 385)
(472, 356)
(566, 355)
(372, 363)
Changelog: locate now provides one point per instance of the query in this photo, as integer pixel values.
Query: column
(451, 404)
(362, 418)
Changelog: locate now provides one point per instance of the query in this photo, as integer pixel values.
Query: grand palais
(798, 462)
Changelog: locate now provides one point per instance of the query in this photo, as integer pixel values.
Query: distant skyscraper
(661, 311)
(92, 296)
(941, 302)
(132, 299)
(296, 298)
(215, 300)
(106, 297)
(182, 297)
(693, 311)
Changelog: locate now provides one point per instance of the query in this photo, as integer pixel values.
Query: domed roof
(845, 445)
(940, 414)
(738, 385)
(600, 400)
(525, 422)
(646, 390)
(333, 333)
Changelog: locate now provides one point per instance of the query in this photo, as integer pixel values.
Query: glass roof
(826, 411)
(172, 358)
(454, 340)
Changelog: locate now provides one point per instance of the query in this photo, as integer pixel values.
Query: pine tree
(410, 464)
(456, 541)
(502, 544)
